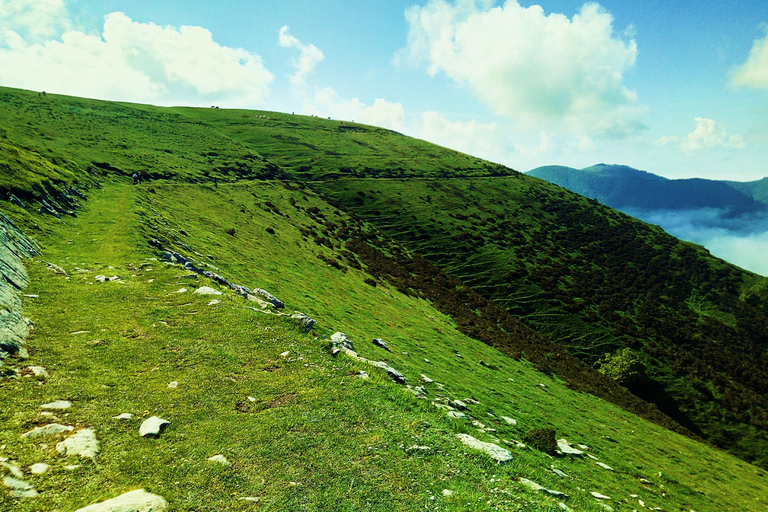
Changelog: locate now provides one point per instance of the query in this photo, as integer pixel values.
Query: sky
(676, 88)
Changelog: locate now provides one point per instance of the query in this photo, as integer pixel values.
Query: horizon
(676, 90)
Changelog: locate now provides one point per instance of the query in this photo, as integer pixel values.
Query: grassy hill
(463, 267)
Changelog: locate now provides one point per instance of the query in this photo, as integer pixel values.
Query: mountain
(506, 310)
(625, 188)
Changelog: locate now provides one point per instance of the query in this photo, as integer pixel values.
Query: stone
(305, 321)
(82, 443)
(37, 372)
(458, 404)
(393, 374)
(543, 490)
(214, 302)
(207, 290)
(566, 449)
(340, 342)
(560, 473)
(47, 430)
(39, 468)
(495, 451)
(362, 374)
(381, 343)
(604, 466)
(56, 269)
(134, 501)
(447, 492)
(123, 416)
(509, 420)
(285, 354)
(173, 385)
(455, 414)
(599, 496)
(57, 405)
(426, 379)
(15, 470)
(269, 297)
(153, 427)
(219, 459)
(19, 488)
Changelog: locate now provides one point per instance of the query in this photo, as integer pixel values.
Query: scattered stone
(220, 459)
(362, 374)
(340, 342)
(271, 298)
(15, 470)
(214, 302)
(173, 385)
(560, 473)
(72, 467)
(307, 322)
(37, 372)
(39, 468)
(381, 343)
(249, 498)
(604, 466)
(123, 416)
(426, 379)
(509, 420)
(20, 488)
(477, 424)
(153, 427)
(82, 443)
(180, 290)
(419, 391)
(496, 452)
(599, 496)
(56, 269)
(454, 414)
(458, 404)
(207, 290)
(285, 354)
(47, 430)
(394, 374)
(31, 296)
(609, 508)
(134, 501)
(447, 492)
(543, 490)
(566, 449)
(57, 405)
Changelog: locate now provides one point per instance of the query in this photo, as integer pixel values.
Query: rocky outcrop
(134, 501)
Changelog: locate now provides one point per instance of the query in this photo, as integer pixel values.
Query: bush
(623, 366)
(542, 439)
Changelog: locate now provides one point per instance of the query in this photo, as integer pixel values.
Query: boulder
(47, 430)
(82, 443)
(153, 427)
(134, 501)
(381, 343)
(207, 290)
(269, 297)
(340, 342)
(305, 321)
(564, 447)
(57, 405)
(19, 488)
(495, 451)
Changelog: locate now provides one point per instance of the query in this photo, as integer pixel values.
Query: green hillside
(497, 294)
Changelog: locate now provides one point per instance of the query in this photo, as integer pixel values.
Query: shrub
(623, 366)
(542, 439)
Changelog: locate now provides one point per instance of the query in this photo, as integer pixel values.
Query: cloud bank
(754, 72)
(708, 134)
(128, 61)
(530, 66)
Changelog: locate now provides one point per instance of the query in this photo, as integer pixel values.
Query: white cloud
(326, 103)
(543, 69)
(34, 20)
(708, 134)
(133, 61)
(754, 72)
(308, 59)
(477, 139)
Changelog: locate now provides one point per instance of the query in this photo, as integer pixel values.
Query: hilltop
(497, 295)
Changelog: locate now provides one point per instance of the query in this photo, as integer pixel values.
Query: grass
(314, 436)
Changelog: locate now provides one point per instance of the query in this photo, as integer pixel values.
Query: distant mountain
(625, 188)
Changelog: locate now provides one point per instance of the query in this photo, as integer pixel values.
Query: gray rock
(123, 416)
(269, 297)
(59, 405)
(566, 449)
(305, 321)
(207, 290)
(340, 342)
(219, 459)
(458, 404)
(495, 451)
(82, 443)
(39, 468)
(381, 343)
(599, 496)
(426, 379)
(134, 501)
(153, 427)
(15, 470)
(604, 466)
(37, 372)
(393, 374)
(543, 490)
(47, 430)
(509, 420)
(455, 414)
(19, 488)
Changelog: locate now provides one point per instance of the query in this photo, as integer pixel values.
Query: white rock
(447, 492)
(285, 354)
(15, 470)
(543, 490)
(567, 449)
(38, 372)
(214, 302)
(455, 414)
(220, 459)
(600, 496)
(173, 385)
(46, 430)
(509, 420)
(604, 466)
(496, 452)
(58, 405)
(153, 427)
(19, 488)
(134, 501)
(39, 468)
(124, 416)
(426, 379)
(207, 290)
(82, 443)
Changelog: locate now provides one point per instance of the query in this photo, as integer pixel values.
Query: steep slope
(298, 428)
(543, 265)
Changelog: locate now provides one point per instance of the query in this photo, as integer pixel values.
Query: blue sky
(679, 89)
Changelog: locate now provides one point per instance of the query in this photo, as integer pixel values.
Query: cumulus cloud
(708, 134)
(528, 65)
(754, 72)
(327, 103)
(310, 55)
(33, 20)
(133, 61)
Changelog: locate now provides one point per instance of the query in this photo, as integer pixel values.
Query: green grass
(315, 437)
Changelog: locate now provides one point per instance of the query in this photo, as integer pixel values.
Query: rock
(47, 430)
(57, 405)
(123, 416)
(393, 374)
(599, 496)
(207, 290)
(305, 321)
(82, 443)
(56, 269)
(604, 466)
(153, 427)
(509, 420)
(447, 492)
(269, 297)
(426, 379)
(214, 302)
(458, 404)
(173, 385)
(560, 473)
(566, 449)
(543, 490)
(419, 391)
(455, 414)
(15, 470)
(37, 372)
(340, 342)
(220, 459)
(39, 468)
(134, 501)
(285, 354)
(362, 374)
(19, 488)
(381, 343)
(496, 452)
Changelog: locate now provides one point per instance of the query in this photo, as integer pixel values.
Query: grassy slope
(316, 437)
